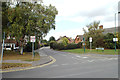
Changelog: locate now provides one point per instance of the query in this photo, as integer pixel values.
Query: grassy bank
(27, 56)
(12, 65)
(81, 51)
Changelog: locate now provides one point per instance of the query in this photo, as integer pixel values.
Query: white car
(8, 48)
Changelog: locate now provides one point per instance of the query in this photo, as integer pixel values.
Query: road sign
(32, 38)
(115, 39)
(90, 39)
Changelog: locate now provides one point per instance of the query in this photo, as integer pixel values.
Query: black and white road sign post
(90, 40)
(115, 40)
(32, 39)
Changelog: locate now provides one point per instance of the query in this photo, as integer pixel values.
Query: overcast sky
(73, 15)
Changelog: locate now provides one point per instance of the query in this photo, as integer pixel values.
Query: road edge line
(51, 62)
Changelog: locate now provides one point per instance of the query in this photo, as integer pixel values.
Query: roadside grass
(12, 65)
(81, 51)
(27, 56)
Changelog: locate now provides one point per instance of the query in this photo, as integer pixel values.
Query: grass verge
(27, 56)
(12, 65)
(105, 52)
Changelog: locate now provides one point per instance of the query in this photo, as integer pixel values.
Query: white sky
(73, 15)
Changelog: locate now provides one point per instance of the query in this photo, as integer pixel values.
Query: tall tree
(30, 19)
(51, 38)
(96, 33)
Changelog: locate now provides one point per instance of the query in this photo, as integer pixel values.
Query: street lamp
(115, 30)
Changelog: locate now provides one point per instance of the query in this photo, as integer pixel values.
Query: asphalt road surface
(70, 65)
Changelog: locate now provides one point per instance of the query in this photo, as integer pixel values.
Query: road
(70, 65)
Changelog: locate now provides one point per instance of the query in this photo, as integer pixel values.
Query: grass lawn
(13, 55)
(81, 51)
(27, 56)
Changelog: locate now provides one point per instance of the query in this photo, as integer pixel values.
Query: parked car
(8, 48)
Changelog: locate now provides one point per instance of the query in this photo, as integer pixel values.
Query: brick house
(70, 40)
(79, 38)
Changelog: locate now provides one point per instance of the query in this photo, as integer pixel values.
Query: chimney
(101, 27)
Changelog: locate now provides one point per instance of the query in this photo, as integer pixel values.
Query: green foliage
(108, 40)
(58, 46)
(71, 46)
(51, 44)
(79, 45)
(65, 41)
(95, 33)
(51, 39)
(45, 44)
(61, 46)
(28, 47)
(27, 18)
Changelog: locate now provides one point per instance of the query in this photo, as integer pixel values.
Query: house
(10, 43)
(111, 30)
(79, 38)
(70, 40)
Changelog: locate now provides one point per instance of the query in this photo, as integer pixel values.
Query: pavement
(69, 65)
(44, 59)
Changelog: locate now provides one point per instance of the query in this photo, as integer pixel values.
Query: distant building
(70, 40)
(111, 30)
(79, 38)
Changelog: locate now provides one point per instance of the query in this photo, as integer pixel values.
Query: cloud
(81, 13)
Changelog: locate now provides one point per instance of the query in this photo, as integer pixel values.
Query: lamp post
(115, 30)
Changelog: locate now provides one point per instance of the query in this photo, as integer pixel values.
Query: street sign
(32, 38)
(90, 39)
(115, 39)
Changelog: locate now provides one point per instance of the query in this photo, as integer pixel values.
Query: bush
(51, 44)
(45, 44)
(59, 46)
(79, 45)
(71, 46)
(28, 47)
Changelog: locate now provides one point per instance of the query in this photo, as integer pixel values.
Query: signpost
(90, 40)
(84, 44)
(32, 39)
(115, 39)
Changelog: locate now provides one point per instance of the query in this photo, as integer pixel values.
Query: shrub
(45, 44)
(51, 44)
(79, 45)
(71, 46)
(28, 47)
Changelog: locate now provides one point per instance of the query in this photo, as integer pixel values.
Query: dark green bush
(79, 45)
(51, 44)
(28, 46)
(71, 46)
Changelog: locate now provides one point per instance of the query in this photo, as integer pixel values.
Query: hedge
(61, 46)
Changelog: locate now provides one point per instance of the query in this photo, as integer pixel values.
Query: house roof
(65, 37)
(111, 30)
(10, 41)
(80, 36)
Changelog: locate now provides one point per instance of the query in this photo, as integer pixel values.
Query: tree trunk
(21, 50)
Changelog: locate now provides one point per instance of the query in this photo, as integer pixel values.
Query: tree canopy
(96, 33)
(26, 18)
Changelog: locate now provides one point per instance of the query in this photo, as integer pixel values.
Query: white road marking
(54, 65)
(84, 57)
(90, 60)
(64, 64)
(75, 63)
(78, 56)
